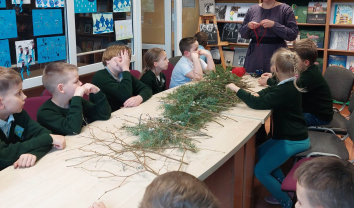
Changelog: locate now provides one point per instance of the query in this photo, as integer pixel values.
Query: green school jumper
(285, 101)
(26, 136)
(69, 121)
(150, 80)
(118, 91)
(317, 99)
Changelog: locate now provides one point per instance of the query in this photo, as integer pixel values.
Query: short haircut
(328, 182)
(8, 78)
(186, 44)
(178, 189)
(306, 49)
(56, 73)
(113, 51)
(202, 38)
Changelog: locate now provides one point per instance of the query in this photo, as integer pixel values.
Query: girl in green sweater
(155, 60)
(289, 133)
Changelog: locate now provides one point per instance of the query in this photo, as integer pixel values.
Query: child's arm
(197, 72)
(210, 61)
(98, 108)
(99, 205)
(143, 93)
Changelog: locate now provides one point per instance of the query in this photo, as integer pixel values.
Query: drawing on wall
(50, 4)
(2, 3)
(123, 29)
(18, 3)
(25, 55)
(5, 59)
(47, 21)
(102, 23)
(8, 24)
(51, 49)
(85, 6)
(148, 5)
(121, 5)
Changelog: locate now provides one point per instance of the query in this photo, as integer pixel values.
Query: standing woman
(268, 24)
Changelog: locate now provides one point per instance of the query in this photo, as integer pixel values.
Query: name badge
(19, 131)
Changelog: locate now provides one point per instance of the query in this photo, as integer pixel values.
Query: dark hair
(178, 189)
(8, 78)
(202, 38)
(306, 49)
(328, 182)
(186, 44)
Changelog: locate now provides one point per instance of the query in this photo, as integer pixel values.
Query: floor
(260, 191)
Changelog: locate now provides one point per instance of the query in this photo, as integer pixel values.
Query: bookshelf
(328, 26)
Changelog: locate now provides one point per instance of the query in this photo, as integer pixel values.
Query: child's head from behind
(188, 45)
(202, 38)
(112, 55)
(178, 189)
(155, 58)
(11, 95)
(326, 182)
(61, 78)
(307, 51)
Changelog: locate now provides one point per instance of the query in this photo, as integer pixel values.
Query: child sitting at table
(289, 133)
(202, 39)
(176, 189)
(190, 66)
(317, 100)
(116, 82)
(22, 140)
(155, 60)
(326, 182)
(68, 111)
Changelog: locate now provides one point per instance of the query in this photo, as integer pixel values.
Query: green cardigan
(285, 101)
(118, 92)
(150, 80)
(69, 121)
(317, 99)
(26, 136)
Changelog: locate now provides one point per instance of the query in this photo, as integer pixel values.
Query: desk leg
(248, 168)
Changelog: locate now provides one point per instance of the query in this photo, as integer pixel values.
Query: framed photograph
(87, 28)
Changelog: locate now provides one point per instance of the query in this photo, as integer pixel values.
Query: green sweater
(26, 136)
(69, 121)
(150, 80)
(317, 99)
(285, 101)
(117, 92)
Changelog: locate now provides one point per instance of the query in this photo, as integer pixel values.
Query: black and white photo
(220, 12)
(206, 7)
(212, 31)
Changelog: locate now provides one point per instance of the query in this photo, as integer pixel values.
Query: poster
(123, 29)
(85, 6)
(121, 5)
(47, 22)
(8, 24)
(19, 1)
(50, 4)
(25, 53)
(51, 49)
(5, 59)
(102, 23)
(2, 3)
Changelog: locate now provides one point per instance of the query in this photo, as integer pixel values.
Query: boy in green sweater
(22, 140)
(68, 111)
(116, 82)
(317, 100)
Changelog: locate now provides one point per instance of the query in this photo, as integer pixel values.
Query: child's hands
(253, 25)
(232, 87)
(124, 60)
(203, 52)
(133, 101)
(99, 205)
(195, 55)
(79, 91)
(262, 80)
(58, 141)
(255, 94)
(25, 160)
(90, 88)
(266, 23)
(269, 75)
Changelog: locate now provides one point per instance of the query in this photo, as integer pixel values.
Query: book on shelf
(350, 63)
(339, 40)
(316, 12)
(230, 32)
(220, 11)
(337, 60)
(242, 9)
(215, 53)
(206, 7)
(241, 39)
(301, 14)
(229, 57)
(231, 13)
(212, 31)
(240, 56)
(351, 41)
(343, 14)
(317, 36)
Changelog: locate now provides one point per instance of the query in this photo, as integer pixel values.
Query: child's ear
(2, 106)
(60, 88)
(307, 63)
(186, 53)
(155, 64)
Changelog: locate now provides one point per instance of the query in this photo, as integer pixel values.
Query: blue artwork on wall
(50, 4)
(102, 23)
(2, 3)
(51, 49)
(47, 21)
(5, 59)
(85, 6)
(8, 24)
(121, 5)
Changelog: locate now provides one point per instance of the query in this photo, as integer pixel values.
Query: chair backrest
(47, 93)
(340, 82)
(135, 73)
(351, 104)
(350, 127)
(32, 105)
(168, 74)
(174, 60)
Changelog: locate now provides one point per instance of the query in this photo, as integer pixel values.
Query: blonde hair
(113, 51)
(287, 62)
(8, 78)
(178, 189)
(151, 56)
(56, 73)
